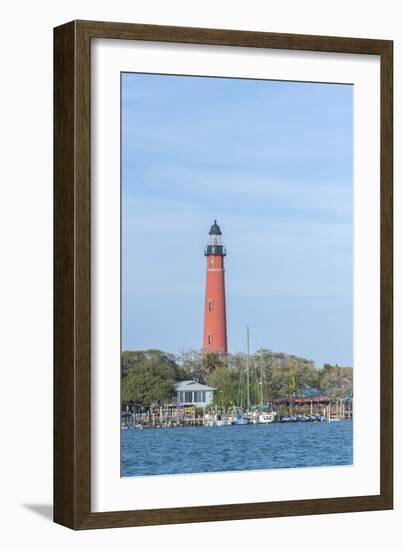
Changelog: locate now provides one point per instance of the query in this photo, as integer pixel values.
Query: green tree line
(148, 376)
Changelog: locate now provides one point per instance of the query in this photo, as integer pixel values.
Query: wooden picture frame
(72, 271)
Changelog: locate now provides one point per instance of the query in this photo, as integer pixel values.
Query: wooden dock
(183, 417)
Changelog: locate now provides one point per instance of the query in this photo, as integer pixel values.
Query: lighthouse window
(211, 261)
(210, 338)
(210, 305)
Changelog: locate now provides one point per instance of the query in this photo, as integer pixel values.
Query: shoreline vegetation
(288, 387)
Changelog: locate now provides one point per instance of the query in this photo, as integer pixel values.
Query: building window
(210, 338)
(188, 397)
(197, 397)
(211, 260)
(210, 305)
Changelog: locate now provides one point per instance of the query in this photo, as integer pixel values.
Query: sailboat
(239, 418)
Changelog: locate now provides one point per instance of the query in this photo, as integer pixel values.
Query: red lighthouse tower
(215, 322)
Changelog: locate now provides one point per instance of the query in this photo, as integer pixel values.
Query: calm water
(229, 448)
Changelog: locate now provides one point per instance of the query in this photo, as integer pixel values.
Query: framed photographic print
(223, 275)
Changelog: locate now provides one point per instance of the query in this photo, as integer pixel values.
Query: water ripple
(234, 448)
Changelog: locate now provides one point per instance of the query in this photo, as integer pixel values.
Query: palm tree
(291, 387)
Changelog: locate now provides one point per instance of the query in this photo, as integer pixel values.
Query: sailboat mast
(247, 369)
(261, 378)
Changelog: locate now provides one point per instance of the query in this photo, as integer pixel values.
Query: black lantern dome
(215, 229)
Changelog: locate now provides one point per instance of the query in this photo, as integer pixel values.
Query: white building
(190, 392)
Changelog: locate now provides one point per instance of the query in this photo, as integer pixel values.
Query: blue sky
(272, 162)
